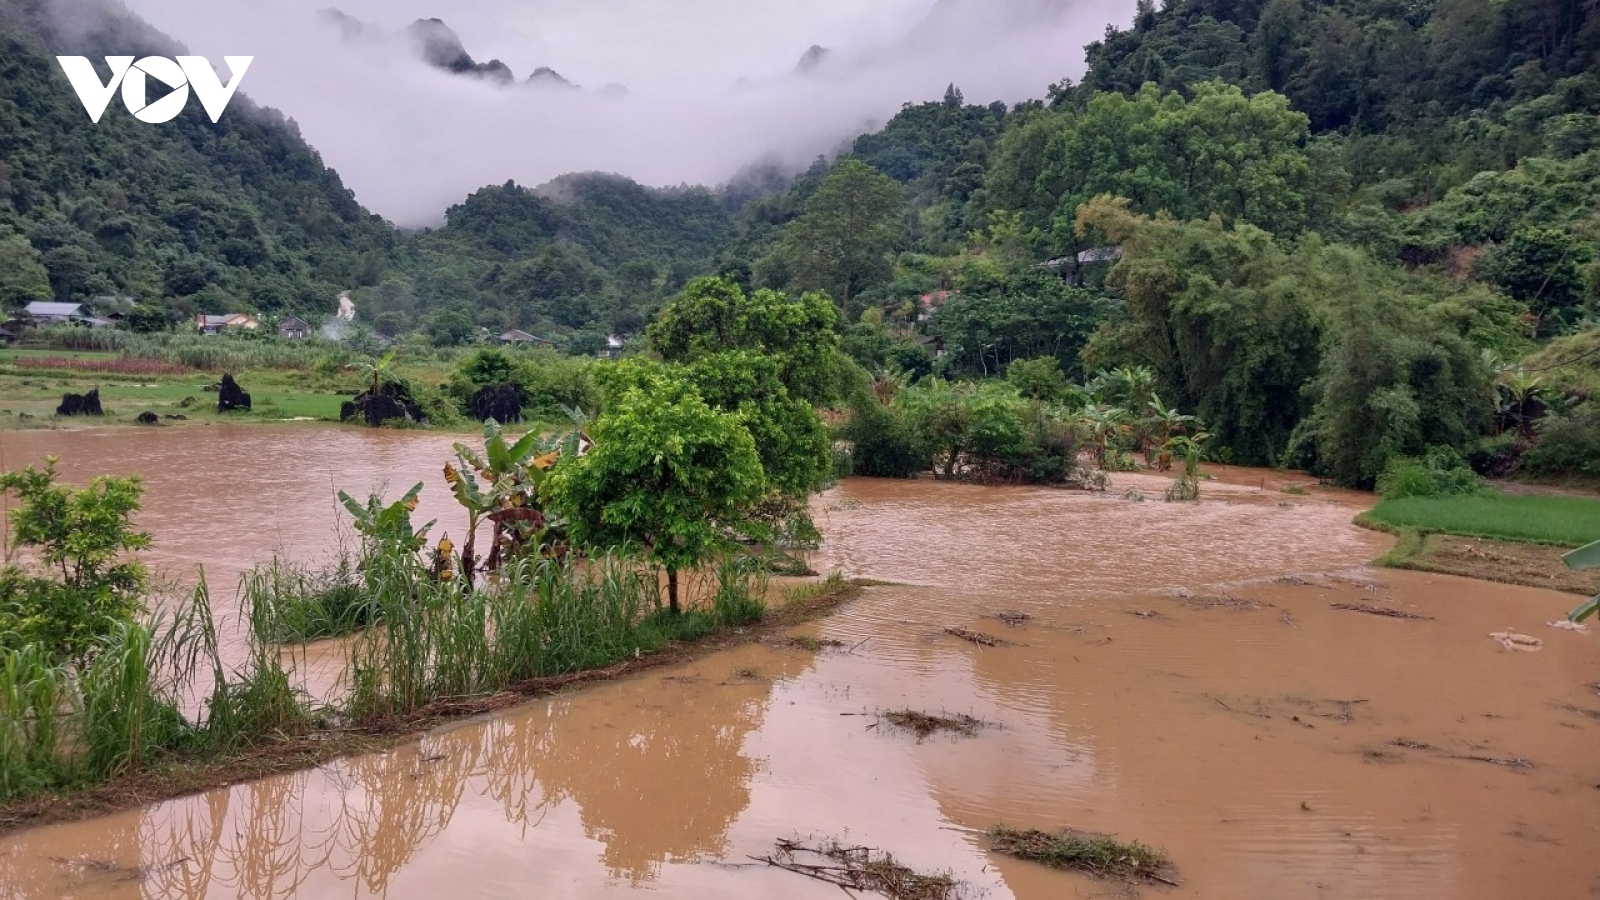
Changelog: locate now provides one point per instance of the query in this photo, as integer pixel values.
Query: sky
(411, 140)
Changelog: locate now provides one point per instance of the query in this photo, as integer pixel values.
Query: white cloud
(411, 140)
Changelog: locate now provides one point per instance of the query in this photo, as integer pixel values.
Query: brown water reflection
(1170, 684)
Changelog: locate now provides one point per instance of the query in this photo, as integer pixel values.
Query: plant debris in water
(1384, 611)
(1222, 601)
(1100, 855)
(809, 643)
(861, 869)
(1013, 618)
(978, 637)
(924, 725)
(1511, 762)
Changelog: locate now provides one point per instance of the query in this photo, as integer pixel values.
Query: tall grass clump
(65, 725)
(741, 590)
(291, 603)
(538, 617)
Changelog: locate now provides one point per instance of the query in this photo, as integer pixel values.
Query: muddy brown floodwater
(1175, 674)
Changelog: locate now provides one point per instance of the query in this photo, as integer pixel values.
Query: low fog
(712, 85)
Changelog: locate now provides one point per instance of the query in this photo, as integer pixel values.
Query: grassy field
(1531, 519)
(29, 394)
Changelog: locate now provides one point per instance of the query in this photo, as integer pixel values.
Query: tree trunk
(672, 591)
(468, 563)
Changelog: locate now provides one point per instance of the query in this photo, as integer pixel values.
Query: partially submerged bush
(86, 585)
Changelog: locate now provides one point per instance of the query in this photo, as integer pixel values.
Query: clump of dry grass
(809, 643)
(924, 725)
(861, 869)
(1100, 855)
(978, 637)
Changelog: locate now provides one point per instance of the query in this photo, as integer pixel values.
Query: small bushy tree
(667, 473)
(85, 587)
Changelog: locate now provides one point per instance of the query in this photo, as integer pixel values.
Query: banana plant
(1585, 558)
(1161, 424)
(391, 523)
(380, 369)
(1103, 424)
(512, 474)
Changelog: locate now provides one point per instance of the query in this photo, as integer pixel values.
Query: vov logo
(180, 75)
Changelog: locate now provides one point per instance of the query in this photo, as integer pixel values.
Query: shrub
(882, 443)
(87, 585)
(1567, 445)
(1441, 471)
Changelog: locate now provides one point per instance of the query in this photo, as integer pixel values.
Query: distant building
(209, 324)
(1088, 266)
(931, 301)
(518, 336)
(294, 328)
(382, 340)
(1099, 255)
(613, 350)
(43, 312)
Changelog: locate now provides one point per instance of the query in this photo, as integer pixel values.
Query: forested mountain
(576, 258)
(188, 216)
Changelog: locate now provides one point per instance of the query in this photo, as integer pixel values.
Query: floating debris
(1144, 613)
(1579, 710)
(978, 637)
(1512, 641)
(1012, 618)
(1100, 855)
(1223, 601)
(1513, 762)
(809, 643)
(1569, 625)
(861, 869)
(924, 725)
(1385, 611)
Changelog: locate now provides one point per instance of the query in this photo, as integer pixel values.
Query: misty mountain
(429, 40)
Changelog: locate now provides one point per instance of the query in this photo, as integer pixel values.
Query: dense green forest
(189, 217)
(1337, 232)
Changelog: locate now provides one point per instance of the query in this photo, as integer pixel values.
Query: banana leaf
(1585, 558)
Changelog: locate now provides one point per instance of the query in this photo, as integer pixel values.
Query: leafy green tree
(83, 538)
(789, 435)
(23, 278)
(713, 315)
(452, 328)
(843, 240)
(1390, 385)
(991, 322)
(1220, 153)
(1224, 317)
(667, 473)
(1039, 379)
(1542, 267)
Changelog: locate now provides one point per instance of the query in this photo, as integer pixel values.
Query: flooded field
(1175, 674)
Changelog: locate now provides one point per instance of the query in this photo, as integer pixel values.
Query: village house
(294, 328)
(518, 336)
(209, 324)
(613, 350)
(43, 312)
(930, 302)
